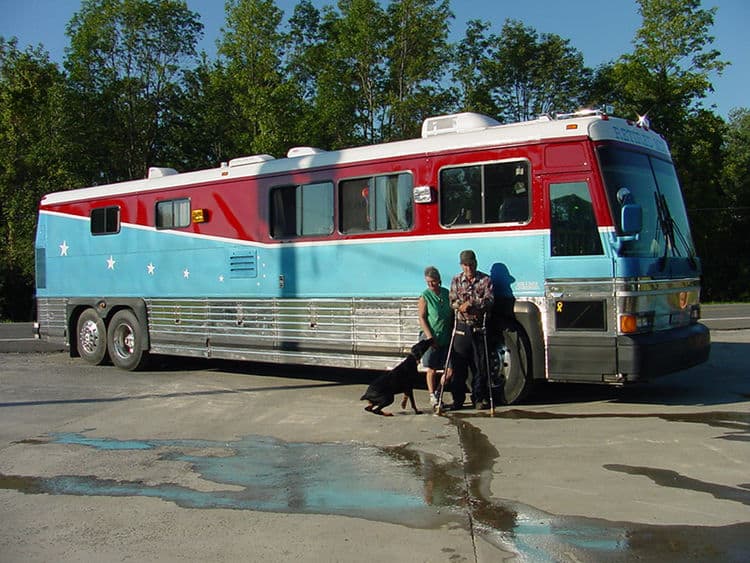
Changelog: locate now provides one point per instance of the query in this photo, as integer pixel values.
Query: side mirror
(631, 219)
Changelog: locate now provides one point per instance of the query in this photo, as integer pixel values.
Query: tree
(204, 130)
(471, 58)
(125, 62)
(34, 161)
(357, 54)
(529, 75)
(265, 103)
(728, 267)
(668, 73)
(418, 53)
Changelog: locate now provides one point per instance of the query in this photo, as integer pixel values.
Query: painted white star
(111, 263)
(64, 248)
(221, 279)
(186, 273)
(151, 268)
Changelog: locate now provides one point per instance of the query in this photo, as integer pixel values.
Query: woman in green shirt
(436, 321)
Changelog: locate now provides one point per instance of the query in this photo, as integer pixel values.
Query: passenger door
(578, 284)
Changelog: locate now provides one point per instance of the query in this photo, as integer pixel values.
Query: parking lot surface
(200, 460)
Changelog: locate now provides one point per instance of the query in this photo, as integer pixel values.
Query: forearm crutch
(487, 364)
(443, 380)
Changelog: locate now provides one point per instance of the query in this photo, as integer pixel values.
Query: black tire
(91, 337)
(125, 339)
(510, 365)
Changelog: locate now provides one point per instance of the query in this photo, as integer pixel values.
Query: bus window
(173, 214)
(305, 210)
(485, 194)
(573, 229)
(377, 203)
(105, 220)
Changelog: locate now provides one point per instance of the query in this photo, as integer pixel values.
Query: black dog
(401, 379)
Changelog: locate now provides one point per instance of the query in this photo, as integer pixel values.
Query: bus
(317, 258)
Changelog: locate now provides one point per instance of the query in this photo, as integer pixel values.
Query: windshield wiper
(669, 227)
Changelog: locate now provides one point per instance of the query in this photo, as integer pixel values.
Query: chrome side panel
(351, 332)
(52, 319)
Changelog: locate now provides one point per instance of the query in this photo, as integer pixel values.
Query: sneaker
(433, 400)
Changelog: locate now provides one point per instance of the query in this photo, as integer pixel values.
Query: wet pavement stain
(392, 484)
(669, 478)
(540, 536)
(739, 422)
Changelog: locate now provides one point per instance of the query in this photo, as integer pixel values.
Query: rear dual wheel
(91, 337)
(125, 341)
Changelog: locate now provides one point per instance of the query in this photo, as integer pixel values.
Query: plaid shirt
(478, 292)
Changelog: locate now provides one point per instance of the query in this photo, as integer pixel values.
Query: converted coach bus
(318, 258)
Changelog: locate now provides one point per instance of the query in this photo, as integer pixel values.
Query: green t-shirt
(439, 315)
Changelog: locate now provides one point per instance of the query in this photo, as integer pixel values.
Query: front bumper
(645, 356)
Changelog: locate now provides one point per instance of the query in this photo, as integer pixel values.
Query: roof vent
(456, 123)
(247, 160)
(303, 151)
(157, 172)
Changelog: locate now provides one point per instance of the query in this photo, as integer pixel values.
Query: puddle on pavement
(393, 484)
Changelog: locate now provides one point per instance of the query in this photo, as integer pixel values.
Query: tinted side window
(486, 193)
(173, 214)
(377, 203)
(105, 220)
(305, 210)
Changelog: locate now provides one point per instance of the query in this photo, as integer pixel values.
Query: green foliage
(728, 247)
(417, 52)
(34, 161)
(518, 74)
(124, 64)
(470, 61)
(251, 48)
(668, 73)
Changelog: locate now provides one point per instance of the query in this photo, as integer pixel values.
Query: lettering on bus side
(636, 137)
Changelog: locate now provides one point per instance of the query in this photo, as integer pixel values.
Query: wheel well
(526, 315)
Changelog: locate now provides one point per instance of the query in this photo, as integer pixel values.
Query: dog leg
(410, 395)
(403, 401)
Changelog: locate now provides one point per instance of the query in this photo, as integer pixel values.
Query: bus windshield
(634, 177)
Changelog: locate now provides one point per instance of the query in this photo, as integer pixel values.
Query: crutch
(487, 364)
(443, 381)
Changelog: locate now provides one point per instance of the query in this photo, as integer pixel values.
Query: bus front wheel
(125, 340)
(511, 365)
(91, 337)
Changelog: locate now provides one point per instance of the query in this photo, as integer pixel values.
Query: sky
(600, 30)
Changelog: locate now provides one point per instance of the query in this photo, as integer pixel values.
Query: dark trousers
(468, 354)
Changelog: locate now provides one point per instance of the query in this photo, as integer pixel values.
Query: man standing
(471, 297)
